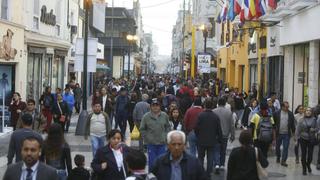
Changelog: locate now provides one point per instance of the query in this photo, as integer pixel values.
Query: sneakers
(284, 164)
(217, 171)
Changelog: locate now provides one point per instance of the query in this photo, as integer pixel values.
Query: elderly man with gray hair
(176, 163)
(140, 109)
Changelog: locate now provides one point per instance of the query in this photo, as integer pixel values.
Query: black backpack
(264, 129)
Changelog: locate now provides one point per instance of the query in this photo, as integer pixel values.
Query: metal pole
(193, 39)
(129, 61)
(111, 40)
(183, 30)
(85, 57)
(82, 121)
(205, 34)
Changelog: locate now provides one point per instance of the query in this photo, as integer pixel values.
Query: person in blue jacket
(69, 99)
(122, 110)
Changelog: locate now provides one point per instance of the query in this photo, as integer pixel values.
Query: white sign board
(91, 57)
(204, 63)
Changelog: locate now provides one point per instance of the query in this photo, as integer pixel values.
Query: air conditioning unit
(74, 29)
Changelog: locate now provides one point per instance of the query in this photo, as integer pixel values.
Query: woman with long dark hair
(305, 132)
(298, 117)
(108, 162)
(248, 112)
(60, 111)
(56, 151)
(237, 169)
(176, 119)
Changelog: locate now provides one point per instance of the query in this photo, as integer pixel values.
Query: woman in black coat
(109, 161)
(237, 169)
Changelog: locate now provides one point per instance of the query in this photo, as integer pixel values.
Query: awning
(102, 67)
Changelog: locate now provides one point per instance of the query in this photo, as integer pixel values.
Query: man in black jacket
(284, 120)
(209, 135)
(176, 163)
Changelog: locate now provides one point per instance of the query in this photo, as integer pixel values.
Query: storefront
(301, 57)
(12, 61)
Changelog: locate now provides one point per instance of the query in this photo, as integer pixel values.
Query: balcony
(288, 8)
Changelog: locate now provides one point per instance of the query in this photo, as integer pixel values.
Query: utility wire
(160, 4)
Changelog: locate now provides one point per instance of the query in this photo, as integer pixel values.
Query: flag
(252, 8)
(219, 18)
(243, 12)
(237, 6)
(263, 7)
(272, 4)
(231, 13)
(258, 10)
(224, 12)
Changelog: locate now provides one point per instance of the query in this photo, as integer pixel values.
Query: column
(313, 73)
(288, 73)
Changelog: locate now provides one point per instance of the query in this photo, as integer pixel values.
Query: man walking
(154, 128)
(208, 132)
(176, 164)
(98, 126)
(285, 127)
(140, 109)
(18, 136)
(30, 168)
(190, 122)
(39, 122)
(69, 99)
(122, 111)
(227, 127)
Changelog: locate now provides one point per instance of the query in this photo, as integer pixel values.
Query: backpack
(148, 176)
(47, 101)
(264, 130)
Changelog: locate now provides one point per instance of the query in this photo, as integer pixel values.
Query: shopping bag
(135, 134)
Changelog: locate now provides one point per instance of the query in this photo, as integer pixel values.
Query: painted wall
(293, 29)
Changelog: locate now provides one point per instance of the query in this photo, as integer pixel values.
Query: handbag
(262, 173)
(135, 134)
(62, 117)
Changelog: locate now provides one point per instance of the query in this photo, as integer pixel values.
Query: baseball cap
(155, 101)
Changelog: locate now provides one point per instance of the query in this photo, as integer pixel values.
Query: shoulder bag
(262, 173)
(62, 117)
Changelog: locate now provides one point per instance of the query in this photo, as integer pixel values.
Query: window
(5, 9)
(35, 23)
(57, 30)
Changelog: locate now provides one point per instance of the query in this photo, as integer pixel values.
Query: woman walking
(108, 162)
(60, 111)
(176, 119)
(305, 132)
(237, 169)
(298, 117)
(56, 151)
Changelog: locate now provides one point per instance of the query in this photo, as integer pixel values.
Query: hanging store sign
(204, 63)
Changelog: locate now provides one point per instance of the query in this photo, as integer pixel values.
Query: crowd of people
(180, 123)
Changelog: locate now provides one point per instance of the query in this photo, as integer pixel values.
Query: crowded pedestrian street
(160, 90)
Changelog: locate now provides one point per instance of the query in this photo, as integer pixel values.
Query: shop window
(5, 9)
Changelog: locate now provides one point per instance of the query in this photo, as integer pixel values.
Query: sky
(159, 17)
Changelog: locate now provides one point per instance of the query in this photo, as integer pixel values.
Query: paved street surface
(81, 146)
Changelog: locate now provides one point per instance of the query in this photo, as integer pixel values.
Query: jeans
(62, 174)
(192, 139)
(306, 152)
(223, 151)
(77, 106)
(239, 114)
(283, 139)
(264, 147)
(209, 150)
(296, 150)
(155, 151)
(318, 161)
(96, 143)
(121, 121)
(111, 116)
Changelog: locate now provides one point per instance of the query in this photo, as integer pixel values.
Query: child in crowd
(79, 172)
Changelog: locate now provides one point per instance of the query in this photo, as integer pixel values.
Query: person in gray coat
(77, 97)
(227, 127)
(30, 168)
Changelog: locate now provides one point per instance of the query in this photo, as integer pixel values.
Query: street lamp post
(84, 114)
(131, 39)
(204, 29)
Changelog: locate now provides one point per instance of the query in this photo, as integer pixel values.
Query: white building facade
(300, 39)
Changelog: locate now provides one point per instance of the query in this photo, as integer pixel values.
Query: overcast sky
(159, 16)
